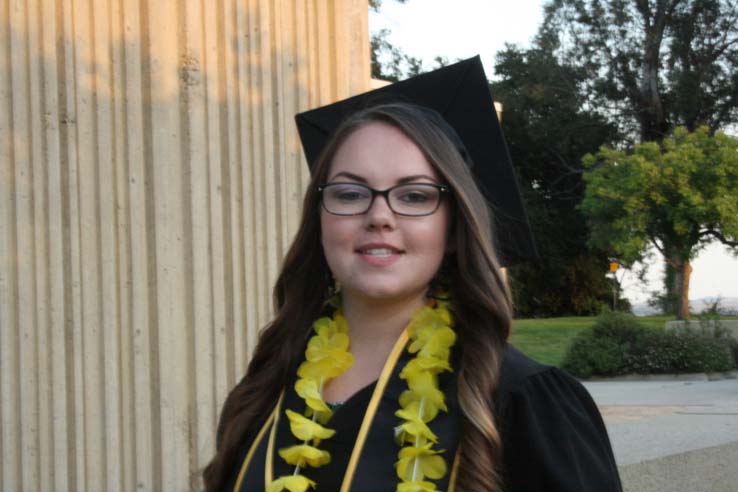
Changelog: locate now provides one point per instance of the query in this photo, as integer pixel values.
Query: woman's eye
(349, 194)
(414, 197)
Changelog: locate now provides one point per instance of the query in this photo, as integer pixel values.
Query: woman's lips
(379, 255)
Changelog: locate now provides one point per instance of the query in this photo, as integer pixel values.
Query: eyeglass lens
(406, 199)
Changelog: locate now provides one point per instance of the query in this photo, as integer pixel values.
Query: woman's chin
(386, 293)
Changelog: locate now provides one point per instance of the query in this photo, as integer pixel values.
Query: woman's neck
(378, 322)
(374, 327)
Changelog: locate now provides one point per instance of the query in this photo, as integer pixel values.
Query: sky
(464, 28)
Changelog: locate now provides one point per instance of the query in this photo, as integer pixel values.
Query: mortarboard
(460, 94)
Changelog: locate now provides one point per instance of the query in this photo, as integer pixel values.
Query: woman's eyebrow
(406, 179)
(415, 177)
(351, 176)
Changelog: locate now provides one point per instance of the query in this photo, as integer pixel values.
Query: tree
(548, 130)
(389, 62)
(677, 195)
(376, 5)
(652, 64)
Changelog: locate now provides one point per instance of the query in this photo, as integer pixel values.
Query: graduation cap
(460, 94)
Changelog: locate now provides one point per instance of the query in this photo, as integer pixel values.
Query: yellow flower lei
(431, 339)
(327, 356)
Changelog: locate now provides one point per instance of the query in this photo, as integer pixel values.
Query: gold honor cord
(454, 473)
(268, 466)
(431, 337)
(255, 444)
(371, 409)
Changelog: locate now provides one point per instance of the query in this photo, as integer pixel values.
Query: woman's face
(380, 255)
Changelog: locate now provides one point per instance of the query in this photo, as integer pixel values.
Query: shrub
(678, 351)
(619, 344)
(589, 356)
(733, 344)
(601, 350)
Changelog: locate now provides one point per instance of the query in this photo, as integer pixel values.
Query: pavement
(672, 435)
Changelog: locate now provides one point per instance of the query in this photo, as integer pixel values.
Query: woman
(407, 382)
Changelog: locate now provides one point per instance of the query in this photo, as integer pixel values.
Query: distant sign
(614, 267)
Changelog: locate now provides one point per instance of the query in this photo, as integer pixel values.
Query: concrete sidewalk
(672, 435)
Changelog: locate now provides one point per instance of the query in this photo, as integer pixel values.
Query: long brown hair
(482, 308)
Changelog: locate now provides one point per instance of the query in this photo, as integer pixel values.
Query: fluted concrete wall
(150, 181)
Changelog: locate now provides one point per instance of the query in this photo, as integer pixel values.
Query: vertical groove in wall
(300, 42)
(222, 240)
(40, 141)
(122, 248)
(55, 353)
(89, 255)
(24, 247)
(151, 181)
(244, 341)
(71, 280)
(223, 359)
(149, 383)
(217, 194)
(10, 398)
(280, 53)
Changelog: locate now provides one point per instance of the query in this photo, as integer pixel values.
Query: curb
(698, 376)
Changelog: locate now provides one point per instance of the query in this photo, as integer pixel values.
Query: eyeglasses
(411, 200)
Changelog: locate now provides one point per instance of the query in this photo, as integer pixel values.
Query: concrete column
(150, 182)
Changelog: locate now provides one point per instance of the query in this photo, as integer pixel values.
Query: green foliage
(602, 349)
(651, 66)
(619, 344)
(388, 62)
(376, 5)
(710, 322)
(548, 132)
(679, 351)
(680, 193)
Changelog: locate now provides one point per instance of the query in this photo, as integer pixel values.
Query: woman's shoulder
(522, 376)
(516, 368)
(553, 435)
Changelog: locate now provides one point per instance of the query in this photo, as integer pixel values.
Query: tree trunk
(680, 287)
(651, 111)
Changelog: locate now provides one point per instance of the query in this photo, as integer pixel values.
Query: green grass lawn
(546, 339)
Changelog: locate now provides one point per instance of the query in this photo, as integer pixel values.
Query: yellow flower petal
(303, 453)
(322, 324)
(308, 390)
(414, 424)
(439, 343)
(433, 466)
(305, 429)
(326, 366)
(416, 487)
(430, 408)
(292, 483)
(433, 365)
(425, 386)
(429, 463)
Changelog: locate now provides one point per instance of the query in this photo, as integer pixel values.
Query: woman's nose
(380, 215)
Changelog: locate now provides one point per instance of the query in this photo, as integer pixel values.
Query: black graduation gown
(553, 436)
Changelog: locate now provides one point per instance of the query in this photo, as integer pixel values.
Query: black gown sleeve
(554, 439)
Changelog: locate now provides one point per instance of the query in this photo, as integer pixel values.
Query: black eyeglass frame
(442, 189)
